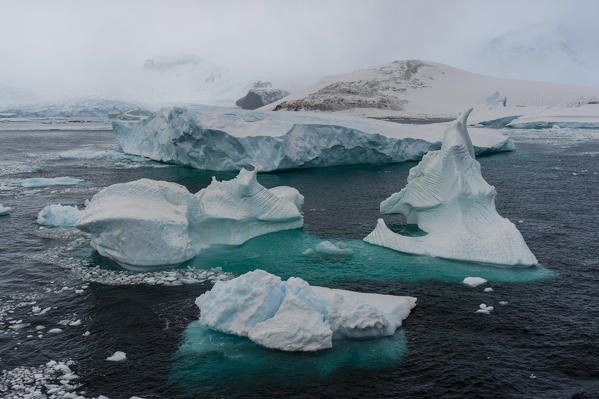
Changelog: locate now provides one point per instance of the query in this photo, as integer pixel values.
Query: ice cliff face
(260, 95)
(447, 197)
(229, 139)
(148, 223)
(294, 316)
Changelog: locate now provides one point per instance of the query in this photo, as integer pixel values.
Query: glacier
(57, 215)
(148, 223)
(447, 197)
(294, 316)
(223, 139)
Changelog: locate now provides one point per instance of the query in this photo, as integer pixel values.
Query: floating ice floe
(328, 248)
(447, 197)
(474, 281)
(57, 215)
(117, 356)
(5, 210)
(148, 223)
(50, 181)
(488, 289)
(294, 316)
(225, 139)
(483, 308)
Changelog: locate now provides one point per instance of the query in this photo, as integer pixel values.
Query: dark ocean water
(543, 343)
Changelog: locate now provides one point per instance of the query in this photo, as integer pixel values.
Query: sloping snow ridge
(224, 139)
(148, 223)
(57, 215)
(294, 316)
(415, 89)
(447, 197)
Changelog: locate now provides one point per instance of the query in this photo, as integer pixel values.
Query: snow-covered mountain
(415, 89)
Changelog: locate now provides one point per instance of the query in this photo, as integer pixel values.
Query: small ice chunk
(86, 334)
(307, 252)
(474, 281)
(55, 331)
(117, 356)
(57, 215)
(4, 210)
(488, 289)
(328, 248)
(483, 308)
(75, 323)
(503, 303)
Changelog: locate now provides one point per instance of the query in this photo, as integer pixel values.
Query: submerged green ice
(206, 359)
(282, 254)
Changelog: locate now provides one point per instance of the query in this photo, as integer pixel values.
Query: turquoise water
(209, 359)
(281, 254)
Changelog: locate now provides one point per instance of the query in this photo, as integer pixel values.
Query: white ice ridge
(294, 316)
(447, 197)
(154, 223)
(57, 215)
(226, 139)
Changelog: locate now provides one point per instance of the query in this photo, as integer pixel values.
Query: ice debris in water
(4, 210)
(447, 197)
(55, 379)
(488, 289)
(117, 356)
(83, 270)
(474, 281)
(294, 316)
(148, 223)
(57, 215)
(50, 181)
(503, 303)
(483, 308)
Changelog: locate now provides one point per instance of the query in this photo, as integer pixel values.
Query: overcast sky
(100, 46)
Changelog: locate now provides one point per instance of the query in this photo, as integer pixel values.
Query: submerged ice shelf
(447, 197)
(294, 316)
(281, 253)
(147, 223)
(223, 139)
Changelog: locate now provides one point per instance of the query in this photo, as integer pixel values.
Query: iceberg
(5, 210)
(148, 223)
(50, 181)
(447, 197)
(57, 215)
(294, 316)
(224, 139)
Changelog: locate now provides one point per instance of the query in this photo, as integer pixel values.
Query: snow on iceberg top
(423, 89)
(294, 316)
(447, 197)
(229, 139)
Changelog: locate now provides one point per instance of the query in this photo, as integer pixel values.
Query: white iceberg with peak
(148, 223)
(447, 197)
(57, 215)
(294, 316)
(225, 139)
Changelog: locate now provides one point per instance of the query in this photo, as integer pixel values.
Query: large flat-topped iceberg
(447, 197)
(148, 223)
(225, 139)
(294, 316)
